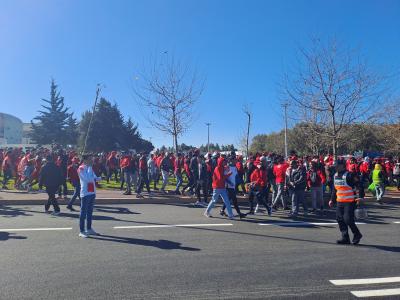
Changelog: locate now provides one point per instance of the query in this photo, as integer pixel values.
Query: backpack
(396, 169)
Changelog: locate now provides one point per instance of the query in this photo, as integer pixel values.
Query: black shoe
(71, 208)
(251, 212)
(286, 208)
(343, 241)
(222, 213)
(241, 216)
(357, 238)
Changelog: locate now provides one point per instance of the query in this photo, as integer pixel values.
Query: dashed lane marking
(171, 226)
(34, 229)
(376, 293)
(365, 281)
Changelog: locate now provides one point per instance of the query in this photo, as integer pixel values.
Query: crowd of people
(270, 181)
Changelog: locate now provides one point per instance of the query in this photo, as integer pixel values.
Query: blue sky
(241, 47)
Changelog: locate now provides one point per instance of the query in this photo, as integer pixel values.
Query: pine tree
(109, 131)
(71, 130)
(52, 120)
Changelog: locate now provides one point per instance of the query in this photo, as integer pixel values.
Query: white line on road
(365, 281)
(396, 222)
(170, 226)
(34, 229)
(376, 293)
(303, 224)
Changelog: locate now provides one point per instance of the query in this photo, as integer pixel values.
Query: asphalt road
(138, 257)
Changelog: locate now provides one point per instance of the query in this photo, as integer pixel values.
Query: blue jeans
(224, 195)
(179, 181)
(87, 204)
(380, 191)
(77, 190)
(297, 198)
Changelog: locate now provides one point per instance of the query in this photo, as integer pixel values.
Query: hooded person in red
(220, 175)
(259, 187)
(280, 177)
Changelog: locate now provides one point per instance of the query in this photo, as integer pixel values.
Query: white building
(10, 130)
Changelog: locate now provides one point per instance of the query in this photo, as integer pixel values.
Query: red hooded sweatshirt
(219, 176)
(259, 176)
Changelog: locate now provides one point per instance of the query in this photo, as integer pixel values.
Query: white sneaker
(83, 235)
(55, 213)
(256, 210)
(139, 195)
(91, 232)
(198, 203)
(206, 214)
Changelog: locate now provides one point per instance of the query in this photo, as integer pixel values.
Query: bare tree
(331, 87)
(167, 91)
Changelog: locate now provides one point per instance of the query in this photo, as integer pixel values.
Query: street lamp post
(208, 136)
(285, 105)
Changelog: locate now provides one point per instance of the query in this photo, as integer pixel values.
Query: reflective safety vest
(375, 177)
(344, 192)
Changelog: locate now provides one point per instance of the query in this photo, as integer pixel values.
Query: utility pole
(285, 105)
(98, 89)
(208, 136)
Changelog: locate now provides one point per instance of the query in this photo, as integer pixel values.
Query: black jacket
(50, 175)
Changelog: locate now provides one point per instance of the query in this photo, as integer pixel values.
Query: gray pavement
(142, 254)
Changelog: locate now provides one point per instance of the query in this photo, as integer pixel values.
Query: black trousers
(232, 198)
(63, 189)
(261, 197)
(189, 185)
(345, 218)
(143, 180)
(51, 192)
(199, 186)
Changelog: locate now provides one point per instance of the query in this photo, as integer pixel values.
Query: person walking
(396, 173)
(143, 176)
(315, 180)
(51, 178)
(280, 175)
(231, 187)
(201, 181)
(259, 188)
(344, 195)
(378, 178)
(73, 177)
(88, 195)
(178, 165)
(219, 190)
(126, 165)
(296, 183)
(166, 167)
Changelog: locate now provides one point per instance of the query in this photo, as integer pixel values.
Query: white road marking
(171, 226)
(34, 229)
(396, 222)
(304, 224)
(365, 281)
(376, 293)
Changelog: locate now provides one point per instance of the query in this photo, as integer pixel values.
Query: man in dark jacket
(201, 181)
(51, 177)
(296, 182)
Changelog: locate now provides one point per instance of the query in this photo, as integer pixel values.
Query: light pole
(208, 136)
(285, 105)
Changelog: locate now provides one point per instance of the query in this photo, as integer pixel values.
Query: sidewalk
(116, 197)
